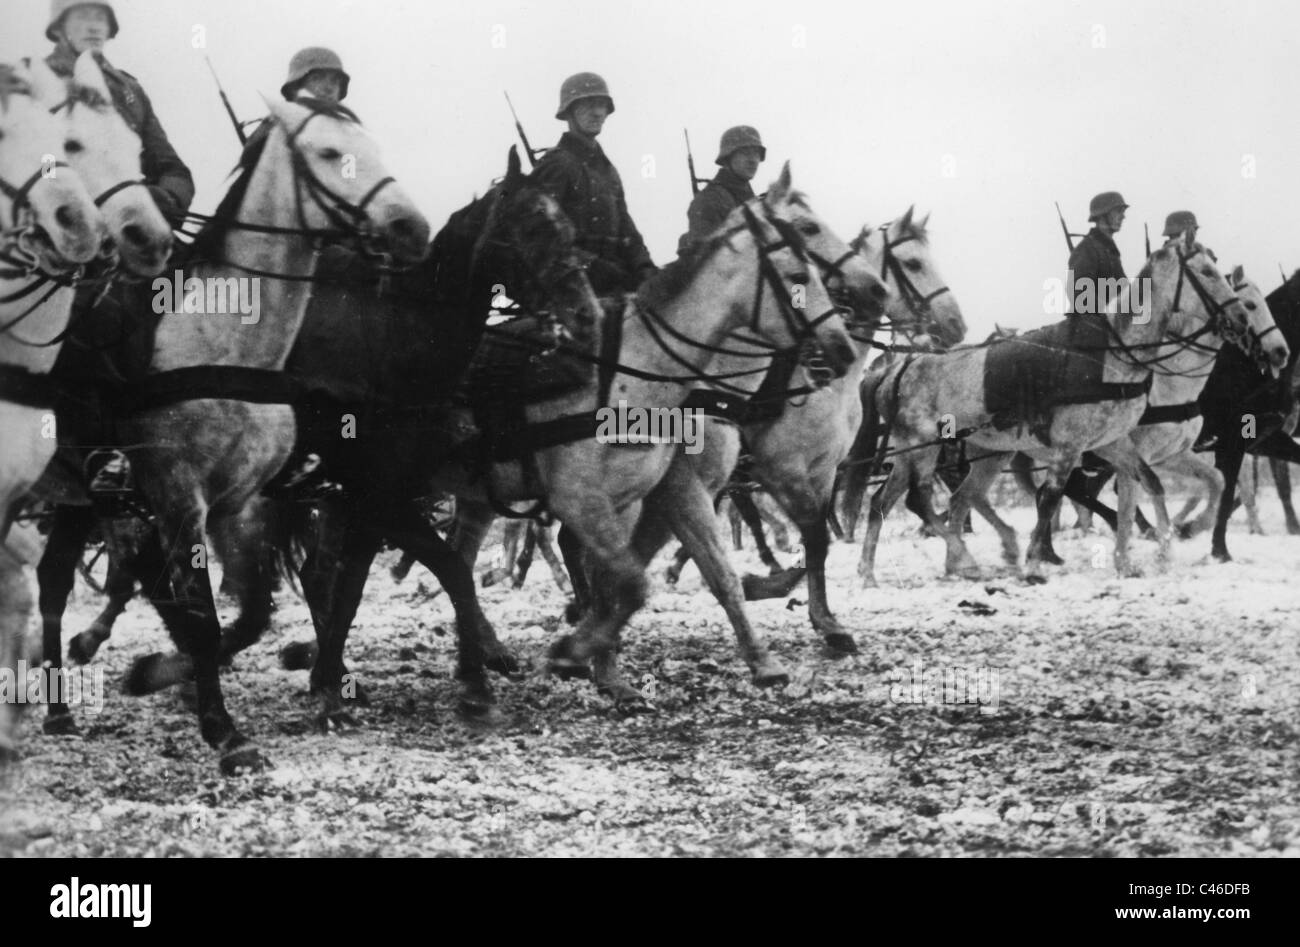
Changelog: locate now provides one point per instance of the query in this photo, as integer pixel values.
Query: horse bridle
(1217, 320)
(69, 103)
(802, 328)
(916, 301)
(348, 217)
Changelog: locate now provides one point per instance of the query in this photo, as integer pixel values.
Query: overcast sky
(981, 113)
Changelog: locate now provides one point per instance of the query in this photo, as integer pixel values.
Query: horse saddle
(1026, 377)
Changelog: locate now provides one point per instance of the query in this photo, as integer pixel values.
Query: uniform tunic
(590, 192)
(711, 206)
(169, 180)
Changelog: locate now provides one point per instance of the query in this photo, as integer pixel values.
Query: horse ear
(1238, 275)
(514, 171)
(778, 191)
(281, 111)
(88, 75)
(47, 88)
(923, 222)
(905, 224)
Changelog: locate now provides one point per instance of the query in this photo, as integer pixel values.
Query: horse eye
(73, 147)
(810, 230)
(1250, 306)
(915, 266)
(331, 154)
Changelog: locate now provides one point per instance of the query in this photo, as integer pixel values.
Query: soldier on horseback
(739, 155)
(587, 186)
(1096, 258)
(1177, 223)
(74, 28)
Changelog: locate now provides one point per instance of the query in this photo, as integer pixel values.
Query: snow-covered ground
(1088, 715)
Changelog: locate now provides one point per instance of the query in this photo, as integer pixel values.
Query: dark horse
(376, 370)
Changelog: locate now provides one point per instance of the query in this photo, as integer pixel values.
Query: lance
(225, 100)
(1146, 233)
(523, 137)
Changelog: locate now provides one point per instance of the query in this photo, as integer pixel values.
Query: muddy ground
(1152, 716)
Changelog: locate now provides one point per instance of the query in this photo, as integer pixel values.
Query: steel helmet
(1104, 203)
(1179, 221)
(313, 59)
(60, 8)
(742, 136)
(584, 85)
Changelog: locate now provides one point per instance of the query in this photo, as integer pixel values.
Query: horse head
(923, 304)
(1187, 288)
(340, 183)
(1271, 351)
(799, 310)
(848, 275)
(106, 153)
(47, 212)
(527, 243)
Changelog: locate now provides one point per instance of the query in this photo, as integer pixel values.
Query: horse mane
(671, 281)
(331, 109)
(88, 96)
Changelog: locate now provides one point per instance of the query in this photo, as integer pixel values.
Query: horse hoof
(671, 576)
(299, 656)
(840, 644)
(1221, 556)
(82, 648)
(771, 675)
(1050, 557)
(573, 613)
(62, 725)
(244, 760)
(139, 680)
(336, 721)
(478, 709)
(564, 664)
(629, 705)
(503, 663)
(1034, 579)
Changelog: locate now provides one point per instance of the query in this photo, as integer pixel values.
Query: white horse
(929, 396)
(49, 228)
(216, 424)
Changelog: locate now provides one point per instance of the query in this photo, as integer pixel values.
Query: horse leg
(525, 560)
(972, 494)
(684, 502)
(15, 607)
(56, 573)
(196, 631)
(674, 570)
(599, 534)
(571, 549)
(1281, 471)
(744, 503)
(1126, 494)
(330, 681)
(1059, 470)
(509, 552)
(816, 544)
(478, 648)
(1248, 483)
(119, 586)
(245, 547)
(882, 501)
(1164, 534)
(546, 546)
